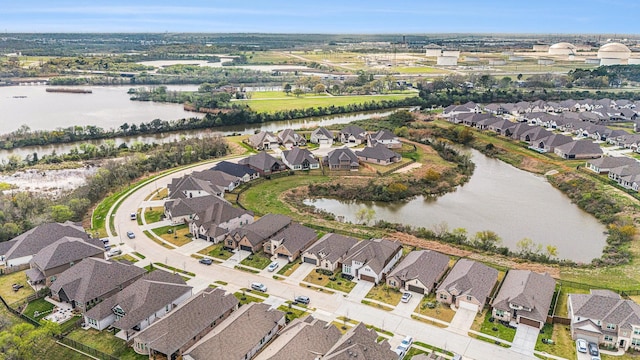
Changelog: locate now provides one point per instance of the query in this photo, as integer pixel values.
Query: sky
(323, 16)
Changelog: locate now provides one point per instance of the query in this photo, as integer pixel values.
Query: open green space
(6, 289)
(256, 95)
(258, 260)
(292, 102)
(106, 342)
(178, 235)
(217, 251)
(41, 307)
(335, 282)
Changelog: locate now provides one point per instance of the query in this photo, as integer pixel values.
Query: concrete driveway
(236, 258)
(406, 309)
(301, 272)
(281, 262)
(524, 341)
(361, 290)
(463, 319)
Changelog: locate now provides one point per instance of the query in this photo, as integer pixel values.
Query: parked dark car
(17, 287)
(593, 349)
(301, 299)
(206, 261)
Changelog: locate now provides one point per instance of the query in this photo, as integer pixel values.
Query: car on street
(273, 266)
(406, 297)
(593, 349)
(206, 261)
(259, 287)
(406, 343)
(300, 299)
(581, 345)
(131, 235)
(133, 216)
(114, 252)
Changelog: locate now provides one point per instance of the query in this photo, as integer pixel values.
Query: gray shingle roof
(296, 237)
(142, 299)
(234, 169)
(215, 178)
(190, 183)
(361, 343)
(607, 307)
(91, 278)
(332, 246)
(580, 147)
(378, 152)
(290, 136)
(303, 339)
(468, 277)
(528, 289)
(258, 139)
(263, 228)
(36, 239)
(65, 251)
(238, 334)
(189, 319)
(262, 161)
(322, 133)
(424, 265)
(375, 253)
(297, 155)
(354, 130)
(383, 134)
(334, 157)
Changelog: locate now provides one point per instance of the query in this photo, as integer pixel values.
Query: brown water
(513, 203)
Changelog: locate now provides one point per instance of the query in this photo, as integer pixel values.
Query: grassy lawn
(217, 251)
(152, 215)
(139, 255)
(292, 313)
(106, 342)
(161, 194)
(289, 268)
(418, 70)
(177, 235)
(6, 291)
(561, 307)
(150, 236)
(171, 268)
(302, 102)
(339, 283)
(258, 260)
(562, 346)
(256, 95)
(377, 305)
(495, 329)
(263, 198)
(385, 168)
(437, 311)
(386, 294)
(42, 306)
(126, 257)
(245, 299)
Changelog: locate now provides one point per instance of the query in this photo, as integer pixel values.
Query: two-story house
(371, 260)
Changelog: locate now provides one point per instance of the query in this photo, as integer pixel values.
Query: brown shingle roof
(189, 319)
(332, 246)
(296, 237)
(528, 289)
(375, 253)
(65, 251)
(468, 277)
(424, 265)
(36, 239)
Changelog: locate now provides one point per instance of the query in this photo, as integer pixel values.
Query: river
(512, 202)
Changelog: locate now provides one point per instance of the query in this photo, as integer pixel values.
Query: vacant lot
(292, 102)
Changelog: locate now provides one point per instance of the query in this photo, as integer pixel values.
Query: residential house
(243, 172)
(328, 252)
(353, 134)
(342, 159)
(371, 260)
(21, 249)
(304, 338)
(469, 283)
(140, 304)
(453, 110)
(300, 159)
(190, 187)
(251, 237)
(549, 143)
(485, 123)
(360, 343)
(533, 134)
(289, 138)
(604, 318)
(604, 164)
(263, 140)
(60, 256)
(378, 154)
(217, 220)
(502, 127)
(579, 149)
(93, 280)
(218, 179)
(263, 163)
(626, 176)
(524, 297)
(290, 242)
(419, 271)
(321, 136)
(384, 137)
(240, 336)
(173, 334)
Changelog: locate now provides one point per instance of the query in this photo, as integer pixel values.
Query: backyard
(6, 290)
(105, 342)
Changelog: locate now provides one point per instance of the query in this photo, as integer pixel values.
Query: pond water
(513, 203)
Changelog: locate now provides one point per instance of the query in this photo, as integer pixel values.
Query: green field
(292, 102)
(256, 95)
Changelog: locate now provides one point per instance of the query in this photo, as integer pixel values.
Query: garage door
(525, 321)
(467, 305)
(245, 248)
(310, 260)
(416, 289)
(283, 256)
(367, 278)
